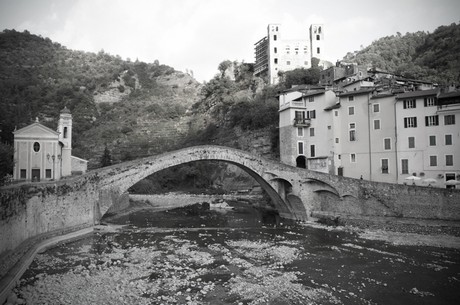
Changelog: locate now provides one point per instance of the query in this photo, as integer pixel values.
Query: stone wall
(396, 200)
(30, 210)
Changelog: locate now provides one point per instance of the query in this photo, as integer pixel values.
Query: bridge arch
(117, 179)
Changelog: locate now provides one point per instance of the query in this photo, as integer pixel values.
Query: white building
(274, 54)
(428, 145)
(41, 153)
(363, 132)
(305, 140)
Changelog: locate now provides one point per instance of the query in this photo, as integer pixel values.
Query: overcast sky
(199, 34)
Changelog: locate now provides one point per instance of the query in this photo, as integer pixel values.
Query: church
(41, 153)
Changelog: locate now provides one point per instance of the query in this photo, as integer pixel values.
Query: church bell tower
(65, 140)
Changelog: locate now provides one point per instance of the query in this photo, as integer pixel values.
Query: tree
(6, 161)
(106, 158)
(301, 76)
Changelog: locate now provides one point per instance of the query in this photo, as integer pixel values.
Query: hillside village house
(41, 153)
(385, 129)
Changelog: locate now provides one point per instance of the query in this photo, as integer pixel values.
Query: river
(236, 255)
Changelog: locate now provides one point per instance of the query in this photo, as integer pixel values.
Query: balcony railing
(302, 122)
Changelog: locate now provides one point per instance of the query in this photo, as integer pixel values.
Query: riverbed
(235, 254)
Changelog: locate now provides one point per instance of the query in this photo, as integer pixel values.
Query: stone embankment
(391, 224)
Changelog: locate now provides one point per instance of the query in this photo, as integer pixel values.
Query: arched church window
(65, 132)
(36, 147)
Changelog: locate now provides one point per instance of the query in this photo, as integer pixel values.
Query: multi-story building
(428, 145)
(368, 133)
(275, 54)
(306, 141)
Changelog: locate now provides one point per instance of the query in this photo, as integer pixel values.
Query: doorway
(35, 174)
(301, 162)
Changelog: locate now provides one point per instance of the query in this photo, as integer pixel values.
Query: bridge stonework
(35, 210)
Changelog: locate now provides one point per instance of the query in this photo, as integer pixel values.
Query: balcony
(302, 122)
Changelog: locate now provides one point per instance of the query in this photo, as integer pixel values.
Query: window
(432, 140)
(432, 120)
(351, 98)
(410, 122)
(352, 135)
(351, 110)
(311, 114)
(376, 107)
(449, 160)
(336, 113)
(384, 163)
(276, 60)
(274, 37)
(353, 158)
(411, 141)
(312, 132)
(448, 139)
(299, 117)
(65, 132)
(275, 50)
(48, 173)
(288, 63)
(433, 160)
(408, 104)
(23, 174)
(404, 166)
(387, 143)
(300, 148)
(429, 101)
(312, 151)
(300, 132)
(318, 38)
(311, 99)
(36, 147)
(352, 125)
(318, 50)
(336, 140)
(449, 119)
(450, 176)
(376, 124)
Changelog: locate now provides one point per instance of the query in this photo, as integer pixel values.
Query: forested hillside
(118, 103)
(428, 56)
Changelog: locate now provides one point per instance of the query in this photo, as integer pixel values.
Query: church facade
(41, 153)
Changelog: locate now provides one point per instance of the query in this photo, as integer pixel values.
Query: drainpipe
(369, 132)
(396, 142)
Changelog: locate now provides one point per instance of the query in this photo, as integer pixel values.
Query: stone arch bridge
(291, 189)
(37, 209)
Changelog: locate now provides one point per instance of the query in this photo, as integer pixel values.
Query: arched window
(36, 147)
(65, 132)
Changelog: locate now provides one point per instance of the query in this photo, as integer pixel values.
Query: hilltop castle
(274, 54)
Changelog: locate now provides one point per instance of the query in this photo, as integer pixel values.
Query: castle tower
(274, 39)
(65, 139)
(317, 41)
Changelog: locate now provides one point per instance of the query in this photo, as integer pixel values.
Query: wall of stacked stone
(30, 210)
(385, 199)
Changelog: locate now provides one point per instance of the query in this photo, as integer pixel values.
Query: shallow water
(237, 256)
